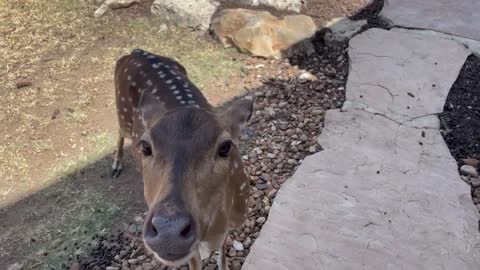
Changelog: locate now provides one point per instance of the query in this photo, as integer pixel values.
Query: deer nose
(171, 237)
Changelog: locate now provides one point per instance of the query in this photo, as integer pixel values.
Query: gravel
(461, 123)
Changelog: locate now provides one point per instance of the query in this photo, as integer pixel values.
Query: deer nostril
(154, 230)
(185, 232)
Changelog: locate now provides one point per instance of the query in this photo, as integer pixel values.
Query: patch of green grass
(41, 145)
(66, 232)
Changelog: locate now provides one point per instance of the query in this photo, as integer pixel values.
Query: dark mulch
(461, 117)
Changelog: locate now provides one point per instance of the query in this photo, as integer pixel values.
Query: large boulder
(194, 14)
(293, 5)
(262, 34)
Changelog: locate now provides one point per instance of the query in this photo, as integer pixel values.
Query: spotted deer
(195, 186)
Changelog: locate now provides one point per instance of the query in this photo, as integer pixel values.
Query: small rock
(261, 220)
(469, 171)
(271, 112)
(236, 265)
(133, 261)
(132, 228)
(237, 245)
(471, 161)
(112, 268)
(147, 266)
(305, 76)
(23, 83)
(475, 182)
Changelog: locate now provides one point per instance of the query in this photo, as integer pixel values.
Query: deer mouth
(173, 258)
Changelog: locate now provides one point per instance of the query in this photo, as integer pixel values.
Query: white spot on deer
(196, 106)
(169, 81)
(125, 70)
(160, 73)
(125, 109)
(122, 99)
(158, 98)
(134, 84)
(129, 77)
(140, 117)
(188, 90)
(145, 53)
(185, 84)
(178, 78)
(130, 99)
(151, 57)
(242, 187)
(149, 82)
(235, 165)
(123, 117)
(191, 102)
(173, 87)
(139, 90)
(167, 66)
(154, 90)
(129, 124)
(139, 65)
(155, 66)
(190, 95)
(182, 102)
(179, 97)
(173, 72)
(176, 92)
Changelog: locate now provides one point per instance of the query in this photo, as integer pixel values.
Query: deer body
(194, 182)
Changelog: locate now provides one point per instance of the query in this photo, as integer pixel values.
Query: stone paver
(382, 195)
(397, 72)
(458, 17)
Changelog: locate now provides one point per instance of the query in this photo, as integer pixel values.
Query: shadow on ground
(66, 215)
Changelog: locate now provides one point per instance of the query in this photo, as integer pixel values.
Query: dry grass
(57, 45)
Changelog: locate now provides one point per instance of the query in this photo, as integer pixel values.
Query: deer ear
(151, 109)
(235, 116)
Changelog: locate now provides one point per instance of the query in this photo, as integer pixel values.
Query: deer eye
(224, 149)
(146, 148)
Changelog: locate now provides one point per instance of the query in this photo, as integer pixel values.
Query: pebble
(469, 171)
(237, 245)
(305, 76)
(261, 220)
(475, 182)
(471, 161)
(112, 268)
(23, 83)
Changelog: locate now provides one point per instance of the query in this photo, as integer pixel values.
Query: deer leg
(222, 259)
(195, 262)
(117, 159)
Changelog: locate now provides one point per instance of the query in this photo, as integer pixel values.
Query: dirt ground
(58, 123)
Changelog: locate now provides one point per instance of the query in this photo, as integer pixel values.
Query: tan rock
(262, 34)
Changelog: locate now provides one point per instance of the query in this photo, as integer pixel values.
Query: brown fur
(184, 172)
